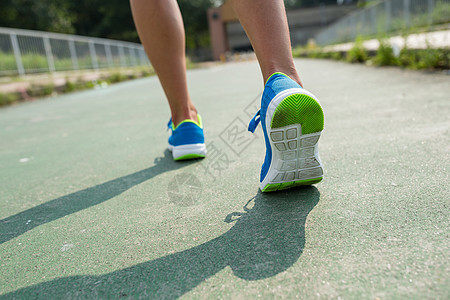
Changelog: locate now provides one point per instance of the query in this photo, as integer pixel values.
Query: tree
(196, 22)
(104, 18)
(50, 15)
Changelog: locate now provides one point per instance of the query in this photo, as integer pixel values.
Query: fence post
(122, 56)
(387, 8)
(93, 55)
(17, 55)
(49, 54)
(132, 56)
(84, 52)
(142, 57)
(73, 54)
(406, 9)
(108, 54)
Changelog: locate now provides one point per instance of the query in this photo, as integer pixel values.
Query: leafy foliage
(99, 18)
(109, 18)
(431, 59)
(385, 55)
(195, 22)
(50, 15)
(358, 53)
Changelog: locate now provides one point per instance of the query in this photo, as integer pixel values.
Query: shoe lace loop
(254, 121)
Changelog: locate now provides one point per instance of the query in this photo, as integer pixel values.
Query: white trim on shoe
(182, 150)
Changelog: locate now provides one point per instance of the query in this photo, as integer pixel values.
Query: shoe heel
(296, 125)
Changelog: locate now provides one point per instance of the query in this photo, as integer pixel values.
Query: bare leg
(160, 27)
(266, 25)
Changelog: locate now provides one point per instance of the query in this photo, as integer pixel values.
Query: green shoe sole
(299, 109)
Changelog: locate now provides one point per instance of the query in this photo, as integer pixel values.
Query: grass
(431, 59)
(8, 98)
(419, 20)
(425, 59)
(44, 90)
(358, 53)
(36, 91)
(36, 63)
(385, 55)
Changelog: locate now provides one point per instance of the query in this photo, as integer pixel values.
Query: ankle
(190, 113)
(294, 76)
(291, 72)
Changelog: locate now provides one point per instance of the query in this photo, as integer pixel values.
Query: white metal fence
(26, 51)
(386, 16)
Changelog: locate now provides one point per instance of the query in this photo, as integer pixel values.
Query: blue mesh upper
(277, 83)
(187, 133)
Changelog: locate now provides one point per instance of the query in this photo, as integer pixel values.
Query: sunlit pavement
(93, 206)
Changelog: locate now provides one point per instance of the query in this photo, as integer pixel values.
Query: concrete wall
(306, 23)
(219, 40)
(303, 23)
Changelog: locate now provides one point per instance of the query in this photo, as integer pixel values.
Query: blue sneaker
(292, 120)
(187, 140)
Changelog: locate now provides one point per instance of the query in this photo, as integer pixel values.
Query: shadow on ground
(20, 223)
(267, 238)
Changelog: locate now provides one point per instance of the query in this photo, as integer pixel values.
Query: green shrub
(322, 54)
(425, 59)
(8, 98)
(40, 90)
(48, 89)
(408, 58)
(316, 53)
(117, 77)
(89, 85)
(337, 56)
(434, 58)
(385, 55)
(69, 86)
(357, 53)
(312, 54)
(145, 73)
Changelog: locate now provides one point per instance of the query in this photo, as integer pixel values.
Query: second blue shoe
(187, 140)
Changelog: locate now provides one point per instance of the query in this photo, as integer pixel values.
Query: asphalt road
(92, 205)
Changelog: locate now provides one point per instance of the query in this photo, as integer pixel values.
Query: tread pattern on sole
(299, 109)
(295, 131)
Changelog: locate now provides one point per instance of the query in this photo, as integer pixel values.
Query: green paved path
(92, 206)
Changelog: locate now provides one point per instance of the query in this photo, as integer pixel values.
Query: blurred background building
(305, 20)
(59, 35)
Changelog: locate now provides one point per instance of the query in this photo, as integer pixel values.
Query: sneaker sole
(294, 122)
(185, 152)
